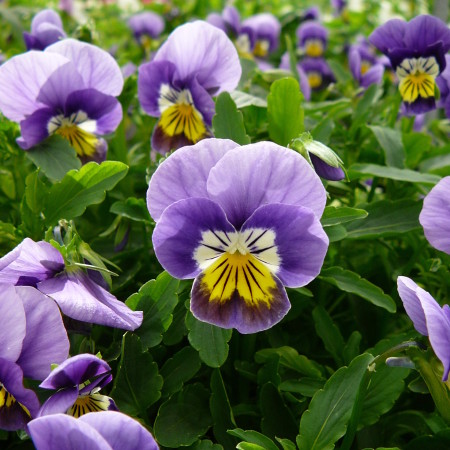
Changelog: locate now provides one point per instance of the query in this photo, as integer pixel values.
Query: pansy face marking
(314, 47)
(10, 406)
(261, 49)
(314, 79)
(91, 402)
(417, 77)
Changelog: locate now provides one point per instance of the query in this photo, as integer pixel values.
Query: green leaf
(351, 282)
(335, 215)
(285, 111)
(386, 218)
(416, 146)
(179, 369)
(7, 183)
(183, 418)
(228, 122)
(286, 444)
(391, 142)
(330, 409)
(205, 445)
(336, 233)
(210, 341)
(305, 386)
(80, 188)
(356, 171)
(55, 157)
(138, 383)
(157, 299)
(249, 446)
(35, 192)
(253, 437)
(132, 208)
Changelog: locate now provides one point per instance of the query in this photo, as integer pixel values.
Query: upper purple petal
(34, 127)
(43, 17)
(326, 171)
(311, 30)
(435, 216)
(423, 31)
(407, 290)
(264, 26)
(148, 23)
(389, 35)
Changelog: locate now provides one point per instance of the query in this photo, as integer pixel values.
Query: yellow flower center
(89, 403)
(83, 142)
(314, 48)
(314, 79)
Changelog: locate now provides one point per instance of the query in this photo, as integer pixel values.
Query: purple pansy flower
(338, 6)
(107, 430)
(46, 29)
(32, 338)
(443, 82)
(229, 21)
(312, 38)
(145, 26)
(78, 381)
(429, 318)
(69, 89)
(435, 216)
(242, 237)
(417, 51)
(365, 66)
(312, 13)
(196, 62)
(40, 265)
(304, 83)
(318, 72)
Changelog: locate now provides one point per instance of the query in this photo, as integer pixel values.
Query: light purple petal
(21, 79)
(34, 128)
(179, 233)
(373, 76)
(59, 402)
(258, 174)
(311, 30)
(389, 36)
(148, 23)
(407, 290)
(62, 432)
(46, 340)
(12, 323)
(202, 50)
(97, 67)
(43, 17)
(435, 216)
(326, 171)
(120, 431)
(80, 298)
(265, 26)
(184, 174)
(30, 262)
(300, 241)
(217, 20)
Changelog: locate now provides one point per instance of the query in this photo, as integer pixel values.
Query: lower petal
(34, 128)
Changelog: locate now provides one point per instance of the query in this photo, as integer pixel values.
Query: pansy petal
(59, 402)
(30, 262)
(423, 31)
(299, 242)
(435, 215)
(407, 290)
(14, 398)
(45, 16)
(257, 174)
(184, 174)
(148, 23)
(97, 67)
(120, 431)
(21, 79)
(389, 36)
(34, 128)
(205, 51)
(63, 432)
(203, 102)
(46, 340)
(163, 143)
(80, 298)
(373, 76)
(326, 171)
(12, 323)
(181, 231)
(48, 34)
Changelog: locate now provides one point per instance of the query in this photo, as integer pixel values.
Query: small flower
(146, 26)
(69, 89)
(417, 51)
(304, 82)
(78, 381)
(46, 29)
(428, 317)
(243, 238)
(42, 266)
(312, 38)
(32, 338)
(443, 82)
(318, 73)
(107, 430)
(197, 61)
(435, 216)
(229, 21)
(366, 68)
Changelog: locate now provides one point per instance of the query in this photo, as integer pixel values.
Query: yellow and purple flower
(196, 62)
(69, 89)
(312, 38)
(146, 26)
(417, 51)
(46, 29)
(243, 237)
(365, 66)
(318, 72)
(443, 82)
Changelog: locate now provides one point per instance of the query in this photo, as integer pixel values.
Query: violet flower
(443, 82)
(146, 26)
(311, 13)
(242, 237)
(429, 318)
(40, 265)
(435, 216)
(78, 381)
(417, 51)
(318, 72)
(196, 62)
(32, 338)
(229, 21)
(46, 29)
(107, 430)
(303, 78)
(365, 65)
(312, 38)
(69, 89)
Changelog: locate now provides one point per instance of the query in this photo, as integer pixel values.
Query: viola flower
(107, 430)
(69, 89)
(364, 65)
(443, 82)
(318, 73)
(196, 62)
(312, 13)
(304, 83)
(146, 26)
(417, 51)
(78, 381)
(42, 266)
(312, 38)
(46, 29)
(243, 238)
(229, 21)
(428, 317)
(435, 215)
(32, 338)
(339, 6)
